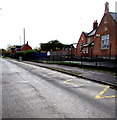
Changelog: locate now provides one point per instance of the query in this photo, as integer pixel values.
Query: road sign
(48, 53)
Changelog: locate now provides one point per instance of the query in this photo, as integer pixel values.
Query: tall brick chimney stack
(27, 43)
(106, 7)
(95, 24)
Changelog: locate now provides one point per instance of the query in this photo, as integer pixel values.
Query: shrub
(26, 55)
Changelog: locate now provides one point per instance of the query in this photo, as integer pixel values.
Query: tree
(2, 52)
(51, 45)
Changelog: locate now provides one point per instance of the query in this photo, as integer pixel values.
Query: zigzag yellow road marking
(71, 83)
(34, 69)
(99, 95)
(66, 81)
(51, 73)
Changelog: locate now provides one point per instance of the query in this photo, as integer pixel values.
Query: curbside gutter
(114, 86)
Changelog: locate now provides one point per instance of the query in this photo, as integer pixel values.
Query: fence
(94, 61)
(110, 62)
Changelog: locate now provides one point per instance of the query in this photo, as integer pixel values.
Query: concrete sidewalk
(93, 75)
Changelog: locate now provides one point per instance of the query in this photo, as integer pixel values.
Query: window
(86, 50)
(88, 40)
(105, 41)
(81, 47)
(105, 28)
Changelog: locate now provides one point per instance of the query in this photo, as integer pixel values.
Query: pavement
(92, 75)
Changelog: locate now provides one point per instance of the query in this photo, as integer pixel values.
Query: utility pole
(0, 9)
(20, 39)
(24, 36)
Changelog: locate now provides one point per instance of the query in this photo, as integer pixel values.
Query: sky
(46, 20)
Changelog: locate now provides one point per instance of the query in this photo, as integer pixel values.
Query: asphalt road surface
(30, 91)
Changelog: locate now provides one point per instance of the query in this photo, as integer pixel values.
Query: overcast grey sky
(46, 20)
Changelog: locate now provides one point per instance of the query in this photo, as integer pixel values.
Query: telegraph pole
(20, 39)
(24, 36)
(0, 9)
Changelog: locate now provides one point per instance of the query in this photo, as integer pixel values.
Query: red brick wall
(82, 39)
(90, 48)
(26, 47)
(111, 27)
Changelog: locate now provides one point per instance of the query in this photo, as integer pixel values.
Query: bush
(26, 55)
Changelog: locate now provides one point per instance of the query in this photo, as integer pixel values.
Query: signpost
(48, 55)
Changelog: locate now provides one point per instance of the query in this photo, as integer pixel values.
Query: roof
(67, 46)
(92, 33)
(114, 15)
(12, 48)
(23, 45)
(89, 44)
(18, 46)
(85, 33)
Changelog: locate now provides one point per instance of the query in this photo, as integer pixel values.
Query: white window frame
(86, 50)
(105, 41)
(88, 40)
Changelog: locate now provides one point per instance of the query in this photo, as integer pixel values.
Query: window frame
(105, 41)
(86, 50)
(88, 40)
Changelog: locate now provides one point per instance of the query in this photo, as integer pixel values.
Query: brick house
(102, 40)
(82, 41)
(24, 47)
(105, 42)
(86, 42)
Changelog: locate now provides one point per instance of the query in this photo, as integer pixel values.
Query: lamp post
(0, 9)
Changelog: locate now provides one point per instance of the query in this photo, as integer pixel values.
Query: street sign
(48, 53)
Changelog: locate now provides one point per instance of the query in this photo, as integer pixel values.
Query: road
(30, 91)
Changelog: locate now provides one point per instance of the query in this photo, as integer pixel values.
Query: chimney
(95, 24)
(106, 7)
(27, 43)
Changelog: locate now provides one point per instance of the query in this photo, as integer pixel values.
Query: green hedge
(26, 55)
